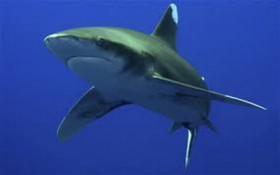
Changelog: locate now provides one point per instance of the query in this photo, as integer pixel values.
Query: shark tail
(192, 132)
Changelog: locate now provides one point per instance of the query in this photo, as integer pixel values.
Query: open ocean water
(234, 44)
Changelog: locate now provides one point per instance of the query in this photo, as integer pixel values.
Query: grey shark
(129, 67)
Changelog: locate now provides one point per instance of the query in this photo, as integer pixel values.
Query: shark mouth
(93, 58)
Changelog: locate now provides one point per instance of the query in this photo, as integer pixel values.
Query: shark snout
(62, 46)
(53, 41)
(54, 36)
(66, 46)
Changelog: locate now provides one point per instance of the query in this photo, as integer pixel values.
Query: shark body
(129, 67)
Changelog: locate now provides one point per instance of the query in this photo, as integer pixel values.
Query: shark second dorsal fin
(167, 26)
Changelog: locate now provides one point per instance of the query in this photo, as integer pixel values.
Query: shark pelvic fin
(166, 29)
(211, 126)
(192, 132)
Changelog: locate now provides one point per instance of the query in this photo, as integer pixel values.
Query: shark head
(87, 51)
(82, 42)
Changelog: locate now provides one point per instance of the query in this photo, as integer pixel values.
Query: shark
(124, 66)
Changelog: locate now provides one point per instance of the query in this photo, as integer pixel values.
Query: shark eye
(100, 41)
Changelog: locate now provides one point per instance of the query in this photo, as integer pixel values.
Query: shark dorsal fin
(167, 26)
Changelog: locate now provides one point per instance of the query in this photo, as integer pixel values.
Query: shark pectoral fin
(191, 137)
(91, 106)
(183, 89)
(167, 27)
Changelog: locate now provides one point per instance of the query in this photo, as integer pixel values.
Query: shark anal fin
(91, 106)
(175, 87)
(167, 27)
(175, 126)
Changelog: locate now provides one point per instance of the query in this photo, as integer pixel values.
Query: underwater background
(234, 44)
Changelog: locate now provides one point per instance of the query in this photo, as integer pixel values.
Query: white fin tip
(174, 12)
(203, 78)
(188, 149)
(248, 102)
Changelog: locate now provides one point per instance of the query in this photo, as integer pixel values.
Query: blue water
(234, 44)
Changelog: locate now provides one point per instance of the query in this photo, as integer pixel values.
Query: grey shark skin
(128, 67)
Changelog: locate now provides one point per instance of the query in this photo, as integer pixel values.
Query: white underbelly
(99, 72)
(146, 94)
(135, 89)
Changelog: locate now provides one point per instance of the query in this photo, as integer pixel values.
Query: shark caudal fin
(166, 29)
(191, 137)
(192, 132)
